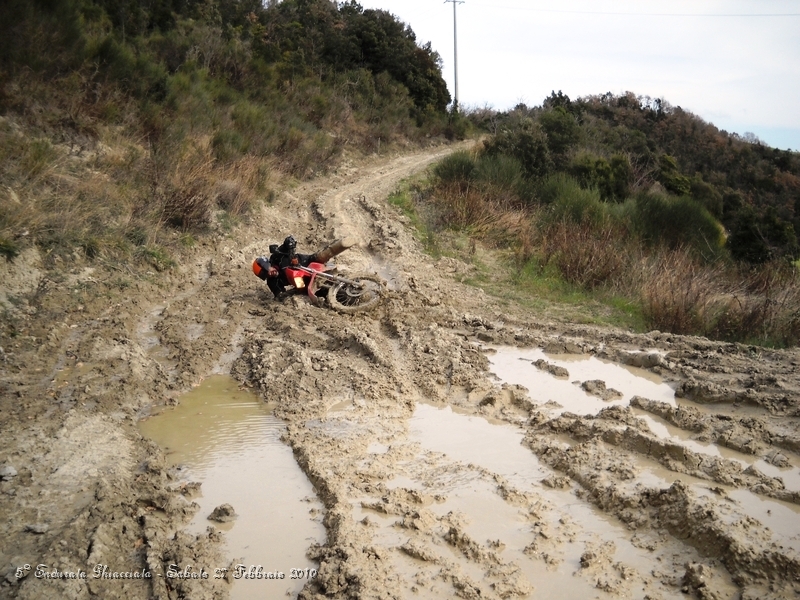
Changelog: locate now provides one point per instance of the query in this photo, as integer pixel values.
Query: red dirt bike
(321, 282)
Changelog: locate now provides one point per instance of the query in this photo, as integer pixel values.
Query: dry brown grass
(763, 306)
(492, 219)
(679, 295)
(682, 296)
(587, 256)
(114, 197)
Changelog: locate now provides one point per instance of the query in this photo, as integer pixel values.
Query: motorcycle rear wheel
(365, 293)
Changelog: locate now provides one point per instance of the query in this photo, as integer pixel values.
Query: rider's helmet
(288, 246)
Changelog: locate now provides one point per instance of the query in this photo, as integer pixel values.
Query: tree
(526, 142)
(562, 131)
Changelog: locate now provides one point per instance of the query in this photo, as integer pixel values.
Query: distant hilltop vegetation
(629, 147)
(128, 130)
(121, 117)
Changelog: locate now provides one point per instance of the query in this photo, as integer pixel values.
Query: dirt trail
(437, 479)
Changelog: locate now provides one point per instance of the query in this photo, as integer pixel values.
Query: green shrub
(228, 144)
(456, 168)
(504, 172)
(8, 248)
(526, 142)
(612, 179)
(677, 222)
(759, 238)
(562, 131)
(568, 201)
(670, 177)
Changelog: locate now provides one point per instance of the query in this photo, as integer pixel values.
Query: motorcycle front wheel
(363, 294)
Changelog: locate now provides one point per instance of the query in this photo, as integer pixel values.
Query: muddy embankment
(455, 449)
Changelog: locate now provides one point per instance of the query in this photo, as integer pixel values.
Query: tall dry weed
(492, 218)
(680, 295)
(763, 306)
(586, 256)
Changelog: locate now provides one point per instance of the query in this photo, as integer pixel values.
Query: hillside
(528, 412)
(135, 127)
(431, 476)
(623, 145)
(670, 223)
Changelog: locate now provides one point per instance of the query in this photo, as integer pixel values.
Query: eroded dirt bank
(377, 407)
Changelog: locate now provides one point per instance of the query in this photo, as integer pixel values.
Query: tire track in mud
(349, 388)
(575, 506)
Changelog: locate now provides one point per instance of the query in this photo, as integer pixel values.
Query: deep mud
(442, 470)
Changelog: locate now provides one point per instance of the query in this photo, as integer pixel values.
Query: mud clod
(223, 514)
(597, 387)
(554, 370)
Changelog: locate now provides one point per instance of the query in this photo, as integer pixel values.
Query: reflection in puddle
(228, 440)
(781, 517)
(513, 365)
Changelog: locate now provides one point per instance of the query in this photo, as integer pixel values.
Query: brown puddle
(789, 475)
(514, 366)
(476, 470)
(227, 439)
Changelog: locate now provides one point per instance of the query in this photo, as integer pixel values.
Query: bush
(8, 249)
(586, 256)
(527, 143)
(611, 179)
(570, 202)
(761, 238)
(228, 144)
(503, 172)
(678, 294)
(457, 168)
(677, 222)
(763, 307)
(562, 131)
(670, 176)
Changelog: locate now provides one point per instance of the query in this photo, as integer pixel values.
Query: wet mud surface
(437, 447)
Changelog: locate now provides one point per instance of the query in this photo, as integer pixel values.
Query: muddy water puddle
(514, 366)
(790, 475)
(227, 439)
(733, 505)
(482, 477)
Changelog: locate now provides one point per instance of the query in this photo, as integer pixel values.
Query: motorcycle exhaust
(337, 247)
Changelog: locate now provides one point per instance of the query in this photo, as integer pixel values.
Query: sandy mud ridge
(438, 479)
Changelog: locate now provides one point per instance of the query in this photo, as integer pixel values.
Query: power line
(636, 14)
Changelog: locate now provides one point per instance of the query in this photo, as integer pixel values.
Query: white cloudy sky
(741, 73)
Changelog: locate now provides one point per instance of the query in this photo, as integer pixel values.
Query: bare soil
(88, 351)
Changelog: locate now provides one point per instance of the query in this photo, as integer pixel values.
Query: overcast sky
(741, 73)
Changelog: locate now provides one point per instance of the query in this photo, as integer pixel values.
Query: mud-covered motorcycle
(311, 274)
(351, 294)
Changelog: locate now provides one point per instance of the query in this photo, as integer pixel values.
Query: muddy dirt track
(437, 478)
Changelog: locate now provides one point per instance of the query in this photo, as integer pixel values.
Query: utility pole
(455, 50)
